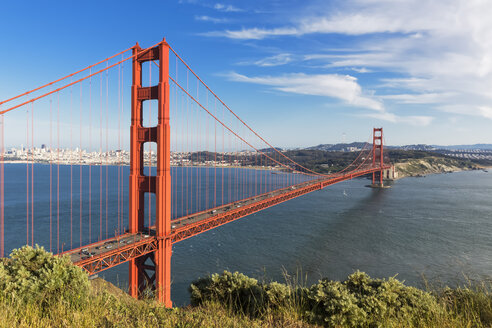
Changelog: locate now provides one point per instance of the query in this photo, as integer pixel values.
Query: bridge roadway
(108, 253)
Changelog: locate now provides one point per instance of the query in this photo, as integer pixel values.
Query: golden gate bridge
(194, 165)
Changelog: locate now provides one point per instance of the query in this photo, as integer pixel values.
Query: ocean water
(438, 227)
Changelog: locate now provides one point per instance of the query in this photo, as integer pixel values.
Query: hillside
(431, 165)
(419, 163)
(407, 162)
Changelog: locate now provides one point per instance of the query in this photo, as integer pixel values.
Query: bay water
(436, 228)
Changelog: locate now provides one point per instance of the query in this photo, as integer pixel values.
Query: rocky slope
(432, 165)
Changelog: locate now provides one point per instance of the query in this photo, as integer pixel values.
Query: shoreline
(423, 175)
(279, 171)
(402, 173)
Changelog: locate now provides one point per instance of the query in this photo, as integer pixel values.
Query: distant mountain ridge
(467, 147)
(338, 147)
(358, 145)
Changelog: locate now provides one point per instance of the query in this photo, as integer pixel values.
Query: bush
(364, 302)
(32, 275)
(232, 289)
(330, 303)
(357, 302)
(240, 293)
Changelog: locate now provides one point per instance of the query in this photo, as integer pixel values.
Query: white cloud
(214, 20)
(252, 34)
(440, 51)
(276, 60)
(412, 120)
(226, 8)
(361, 70)
(485, 111)
(419, 98)
(480, 111)
(343, 87)
(413, 16)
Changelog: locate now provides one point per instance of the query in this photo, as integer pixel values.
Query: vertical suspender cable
(150, 148)
(182, 159)
(27, 175)
(119, 148)
(187, 148)
(122, 227)
(51, 170)
(90, 153)
(197, 201)
(107, 149)
(207, 169)
(100, 155)
(80, 168)
(58, 172)
(229, 199)
(2, 204)
(71, 166)
(223, 150)
(32, 175)
(215, 155)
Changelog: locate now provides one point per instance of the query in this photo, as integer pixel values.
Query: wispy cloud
(343, 87)
(480, 111)
(439, 53)
(226, 8)
(419, 98)
(214, 20)
(361, 70)
(276, 60)
(391, 117)
(350, 24)
(413, 17)
(442, 48)
(252, 33)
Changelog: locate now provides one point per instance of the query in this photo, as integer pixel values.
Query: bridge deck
(104, 254)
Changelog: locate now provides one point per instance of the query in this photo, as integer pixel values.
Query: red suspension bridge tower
(377, 154)
(155, 275)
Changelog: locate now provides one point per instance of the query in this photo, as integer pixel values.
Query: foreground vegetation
(39, 290)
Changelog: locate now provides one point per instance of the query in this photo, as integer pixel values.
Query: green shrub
(357, 302)
(32, 275)
(240, 293)
(330, 303)
(364, 302)
(277, 295)
(236, 290)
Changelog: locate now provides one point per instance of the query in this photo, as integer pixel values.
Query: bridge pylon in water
(151, 271)
(377, 155)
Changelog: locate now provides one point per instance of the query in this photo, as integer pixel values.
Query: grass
(106, 309)
(110, 307)
(39, 290)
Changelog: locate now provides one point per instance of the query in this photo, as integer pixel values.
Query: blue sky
(300, 72)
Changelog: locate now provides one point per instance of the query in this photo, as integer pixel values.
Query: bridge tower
(377, 154)
(153, 270)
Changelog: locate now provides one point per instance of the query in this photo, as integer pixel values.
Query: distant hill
(416, 147)
(358, 145)
(339, 147)
(466, 147)
(269, 150)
